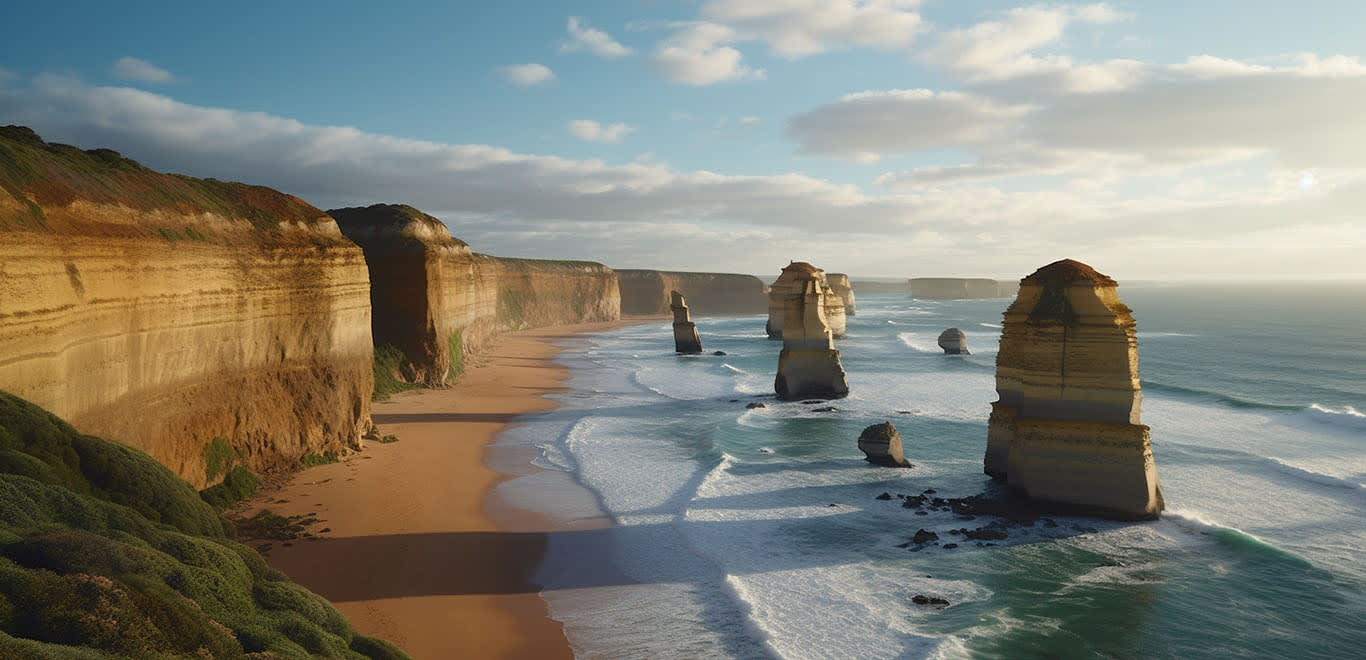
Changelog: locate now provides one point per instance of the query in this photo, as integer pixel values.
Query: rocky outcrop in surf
(1066, 429)
(839, 284)
(685, 331)
(808, 366)
(167, 312)
(960, 288)
(881, 445)
(647, 292)
(954, 342)
(791, 282)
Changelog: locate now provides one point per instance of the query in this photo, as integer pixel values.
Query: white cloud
(591, 131)
(797, 28)
(750, 121)
(698, 54)
(525, 75)
(132, 68)
(584, 37)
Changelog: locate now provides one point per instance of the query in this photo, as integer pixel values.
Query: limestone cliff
(791, 282)
(1066, 428)
(534, 293)
(647, 292)
(685, 331)
(431, 297)
(809, 365)
(958, 288)
(839, 284)
(165, 311)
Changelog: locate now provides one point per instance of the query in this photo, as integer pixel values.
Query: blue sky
(720, 135)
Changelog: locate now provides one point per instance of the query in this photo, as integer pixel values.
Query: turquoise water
(746, 533)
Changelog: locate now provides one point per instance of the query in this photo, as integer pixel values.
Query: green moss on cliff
(104, 553)
(457, 368)
(389, 366)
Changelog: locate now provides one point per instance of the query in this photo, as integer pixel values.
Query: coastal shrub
(455, 344)
(218, 457)
(94, 565)
(240, 484)
(169, 234)
(388, 366)
(313, 460)
(384, 440)
(195, 234)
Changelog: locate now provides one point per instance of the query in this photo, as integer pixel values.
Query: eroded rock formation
(959, 288)
(954, 342)
(791, 282)
(881, 445)
(839, 284)
(685, 331)
(165, 311)
(809, 365)
(1066, 429)
(647, 292)
(535, 293)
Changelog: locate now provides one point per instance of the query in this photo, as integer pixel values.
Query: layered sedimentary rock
(839, 284)
(431, 297)
(881, 445)
(535, 293)
(954, 342)
(165, 311)
(791, 282)
(685, 331)
(809, 365)
(958, 288)
(647, 292)
(1066, 428)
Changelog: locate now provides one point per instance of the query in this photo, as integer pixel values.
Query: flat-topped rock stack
(809, 366)
(839, 283)
(1066, 429)
(685, 331)
(791, 282)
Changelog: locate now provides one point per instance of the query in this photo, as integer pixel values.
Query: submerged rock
(954, 342)
(686, 340)
(881, 445)
(922, 599)
(1066, 428)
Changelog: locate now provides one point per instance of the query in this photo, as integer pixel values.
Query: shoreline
(392, 517)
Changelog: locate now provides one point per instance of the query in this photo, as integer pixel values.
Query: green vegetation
(389, 365)
(195, 234)
(218, 458)
(314, 460)
(512, 308)
(388, 439)
(170, 234)
(105, 554)
(240, 484)
(457, 356)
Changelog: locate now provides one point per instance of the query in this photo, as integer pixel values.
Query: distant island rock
(954, 342)
(1066, 428)
(881, 445)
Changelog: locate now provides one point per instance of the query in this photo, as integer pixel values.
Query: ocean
(757, 533)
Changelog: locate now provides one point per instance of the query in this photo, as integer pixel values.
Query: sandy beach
(407, 550)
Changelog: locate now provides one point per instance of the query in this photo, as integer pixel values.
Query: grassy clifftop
(104, 553)
(40, 176)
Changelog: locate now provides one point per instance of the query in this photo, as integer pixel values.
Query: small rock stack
(881, 445)
(954, 342)
(685, 331)
(809, 366)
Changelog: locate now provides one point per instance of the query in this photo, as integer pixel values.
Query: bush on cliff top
(105, 554)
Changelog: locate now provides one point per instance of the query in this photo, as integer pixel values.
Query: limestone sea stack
(954, 342)
(808, 366)
(791, 282)
(881, 445)
(839, 283)
(685, 331)
(1066, 429)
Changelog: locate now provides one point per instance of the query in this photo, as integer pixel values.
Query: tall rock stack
(809, 365)
(791, 282)
(685, 331)
(839, 283)
(1066, 428)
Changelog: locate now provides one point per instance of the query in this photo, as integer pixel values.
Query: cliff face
(647, 292)
(840, 286)
(534, 293)
(792, 282)
(165, 311)
(1066, 428)
(958, 288)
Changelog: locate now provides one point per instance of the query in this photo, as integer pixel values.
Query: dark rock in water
(719, 353)
(1049, 522)
(735, 401)
(884, 496)
(757, 404)
(826, 409)
(950, 546)
(921, 599)
(922, 513)
(881, 445)
(930, 491)
(924, 536)
(954, 342)
(986, 534)
(813, 402)
(904, 412)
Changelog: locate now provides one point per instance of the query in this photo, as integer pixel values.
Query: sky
(1155, 140)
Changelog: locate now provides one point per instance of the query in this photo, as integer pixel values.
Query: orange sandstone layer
(411, 554)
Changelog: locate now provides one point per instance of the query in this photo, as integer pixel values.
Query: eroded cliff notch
(791, 282)
(809, 365)
(1066, 428)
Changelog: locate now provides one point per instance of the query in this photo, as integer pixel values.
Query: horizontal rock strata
(1066, 428)
(647, 292)
(809, 365)
(839, 284)
(791, 282)
(165, 311)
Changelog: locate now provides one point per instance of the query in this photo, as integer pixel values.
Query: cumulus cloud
(591, 131)
(700, 54)
(797, 28)
(132, 68)
(525, 75)
(583, 37)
